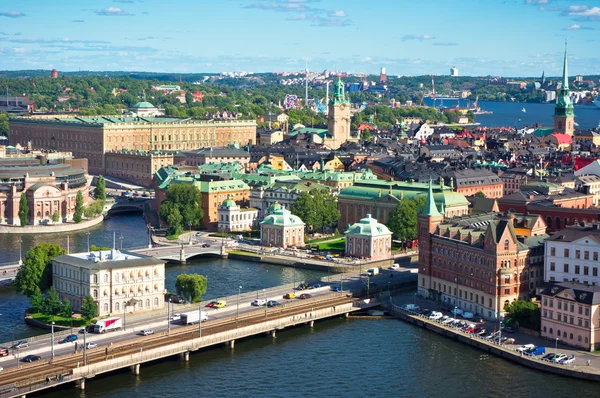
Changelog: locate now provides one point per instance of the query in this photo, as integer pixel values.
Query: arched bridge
(181, 254)
(125, 207)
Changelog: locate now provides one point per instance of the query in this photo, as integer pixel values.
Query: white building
(454, 71)
(118, 281)
(589, 184)
(572, 256)
(550, 96)
(232, 218)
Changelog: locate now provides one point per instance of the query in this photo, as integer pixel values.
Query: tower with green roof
(564, 113)
(428, 220)
(338, 125)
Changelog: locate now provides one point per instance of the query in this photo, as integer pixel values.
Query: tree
(479, 195)
(78, 215)
(3, 124)
(95, 248)
(52, 303)
(35, 275)
(403, 219)
(317, 208)
(66, 310)
(55, 216)
(89, 309)
(37, 302)
(365, 135)
(100, 190)
(191, 286)
(524, 313)
(182, 206)
(23, 210)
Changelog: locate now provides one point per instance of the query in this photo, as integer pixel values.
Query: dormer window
(506, 244)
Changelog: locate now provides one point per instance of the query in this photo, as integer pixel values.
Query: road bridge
(182, 253)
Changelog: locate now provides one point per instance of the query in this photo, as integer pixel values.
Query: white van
(373, 271)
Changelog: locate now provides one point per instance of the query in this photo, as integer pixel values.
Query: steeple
(430, 208)
(565, 79)
(564, 112)
(339, 96)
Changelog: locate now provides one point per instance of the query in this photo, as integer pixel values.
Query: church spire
(565, 79)
(430, 209)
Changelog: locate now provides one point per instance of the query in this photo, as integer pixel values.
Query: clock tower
(338, 126)
(564, 113)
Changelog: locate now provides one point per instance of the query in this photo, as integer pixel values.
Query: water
(510, 114)
(349, 358)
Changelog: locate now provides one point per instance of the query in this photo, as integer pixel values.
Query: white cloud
(113, 11)
(584, 12)
(417, 37)
(12, 14)
(339, 14)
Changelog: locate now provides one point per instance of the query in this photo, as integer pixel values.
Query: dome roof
(228, 202)
(283, 217)
(143, 104)
(274, 207)
(368, 226)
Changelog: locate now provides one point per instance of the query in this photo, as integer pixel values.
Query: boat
(597, 101)
(524, 110)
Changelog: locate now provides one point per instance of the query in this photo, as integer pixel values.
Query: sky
(407, 37)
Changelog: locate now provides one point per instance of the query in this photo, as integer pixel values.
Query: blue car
(69, 339)
(336, 288)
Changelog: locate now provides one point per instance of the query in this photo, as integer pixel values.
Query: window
(572, 308)
(105, 307)
(506, 291)
(553, 251)
(595, 256)
(566, 268)
(560, 305)
(566, 253)
(580, 310)
(551, 303)
(586, 255)
(95, 293)
(571, 320)
(586, 270)
(552, 266)
(577, 269)
(595, 271)
(506, 244)
(577, 254)
(587, 312)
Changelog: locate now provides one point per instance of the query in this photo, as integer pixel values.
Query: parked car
(86, 329)
(481, 332)
(303, 286)
(174, 298)
(534, 352)
(176, 317)
(489, 336)
(220, 304)
(446, 320)
(20, 344)
(470, 329)
(559, 357)
(525, 347)
(31, 358)
(549, 357)
(258, 302)
(211, 304)
(3, 352)
(336, 288)
(394, 266)
(273, 303)
(304, 296)
(91, 345)
(205, 245)
(146, 332)
(508, 330)
(508, 340)
(566, 361)
(316, 286)
(434, 316)
(289, 296)
(69, 339)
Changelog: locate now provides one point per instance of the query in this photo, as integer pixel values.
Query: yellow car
(220, 304)
(289, 296)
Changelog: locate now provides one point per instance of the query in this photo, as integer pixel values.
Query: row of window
(578, 252)
(571, 337)
(118, 306)
(566, 269)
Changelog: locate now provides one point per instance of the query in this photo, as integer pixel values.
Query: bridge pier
(232, 344)
(186, 356)
(273, 333)
(135, 369)
(311, 324)
(80, 384)
(182, 255)
(346, 315)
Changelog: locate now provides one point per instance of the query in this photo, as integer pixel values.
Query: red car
(477, 330)
(304, 296)
(211, 304)
(470, 329)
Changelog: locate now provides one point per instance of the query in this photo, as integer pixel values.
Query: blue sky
(480, 37)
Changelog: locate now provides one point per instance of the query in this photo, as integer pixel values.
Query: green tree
(78, 215)
(479, 195)
(37, 302)
(89, 309)
(525, 313)
(189, 99)
(403, 219)
(66, 310)
(3, 124)
(191, 286)
(23, 210)
(52, 303)
(95, 248)
(35, 275)
(55, 216)
(317, 208)
(182, 207)
(100, 190)
(365, 135)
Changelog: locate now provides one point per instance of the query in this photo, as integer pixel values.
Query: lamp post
(124, 316)
(149, 238)
(237, 317)
(85, 346)
(199, 320)
(265, 293)
(20, 252)
(52, 345)
(368, 285)
(556, 344)
(169, 316)
(88, 241)
(294, 285)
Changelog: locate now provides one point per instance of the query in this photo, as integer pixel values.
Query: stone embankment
(50, 229)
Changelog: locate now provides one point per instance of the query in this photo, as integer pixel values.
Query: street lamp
(294, 285)
(85, 345)
(265, 293)
(20, 252)
(556, 344)
(52, 355)
(88, 240)
(237, 317)
(169, 316)
(121, 239)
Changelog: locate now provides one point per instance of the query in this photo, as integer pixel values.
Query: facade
(477, 263)
(572, 255)
(217, 155)
(469, 182)
(118, 281)
(338, 125)
(368, 239)
(269, 137)
(93, 137)
(138, 166)
(564, 112)
(512, 180)
(589, 185)
(284, 193)
(379, 198)
(233, 218)
(282, 229)
(145, 109)
(570, 313)
(49, 189)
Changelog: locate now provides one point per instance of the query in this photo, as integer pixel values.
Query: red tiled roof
(562, 138)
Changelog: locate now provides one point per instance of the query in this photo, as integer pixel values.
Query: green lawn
(324, 239)
(59, 320)
(334, 245)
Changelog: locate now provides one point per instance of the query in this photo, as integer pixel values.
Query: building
(368, 239)
(282, 193)
(282, 229)
(54, 74)
(269, 137)
(382, 76)
(470, 182)
(93, 137)
(438, 153)
(379, 198)
(564, 112)
(587, 139)
(338, 125)
(117, 281)
(590, 185)
(233, 218)
(50, 189)
(217, 155)
(572, 255)
(145, 109)
(570, 313)
(477, 263)
(136, 165)
(512, 180)
(453, 71)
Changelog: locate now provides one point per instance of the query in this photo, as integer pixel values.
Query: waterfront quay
(586, 365)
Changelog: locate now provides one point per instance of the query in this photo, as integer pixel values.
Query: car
(174, 298)
(549, 357)
(508, 330)
(559, 357)
(446, 320)
(457, 311)
(20, 344)
(1, 368)
(394, 266)
(508, 340)
(69, 339)
(220, 304)
(469, 329)
(258, 302)
(90, 345)
(304, 296)
(176, 317)
(303, 286)
(489, 336)
(146, 332)
(482, 332)
(273, 303)
(566, 361)
(316, 286)
(289, 296)
(435, 315)
(211, 304)
(3, 352)
(31, 358)
(525, 347)
(205, 245)
(336, 288)
(477, 329)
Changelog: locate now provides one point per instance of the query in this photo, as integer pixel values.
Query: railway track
(38, 372)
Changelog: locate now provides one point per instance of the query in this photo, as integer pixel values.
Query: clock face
(343, 106)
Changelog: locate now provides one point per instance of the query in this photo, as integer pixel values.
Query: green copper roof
(339, 97)
(430, 209)
(228, 202)
(368, 226)
(564, 105)
(274, 207)
(143, 104)
(283, 218)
